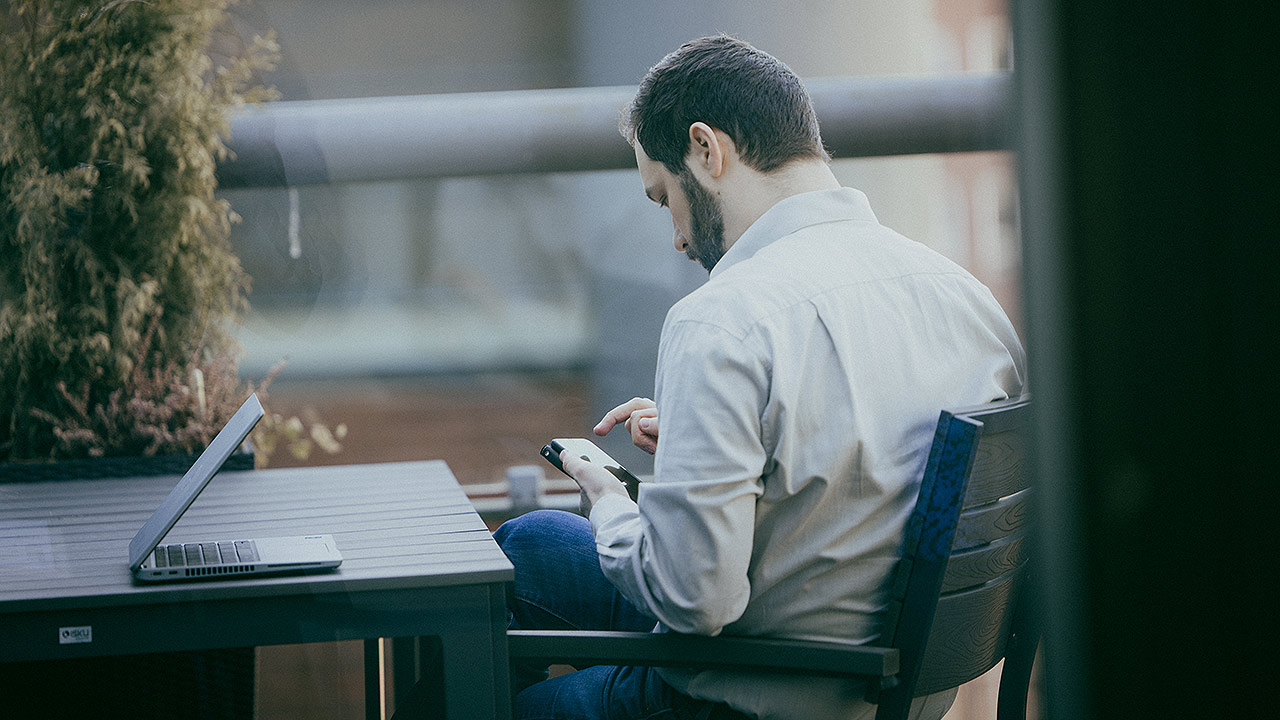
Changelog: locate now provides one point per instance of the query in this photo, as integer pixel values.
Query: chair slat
(968, 636)
(1000, 416)
(999, 467)
(985, 564)
(992, 522)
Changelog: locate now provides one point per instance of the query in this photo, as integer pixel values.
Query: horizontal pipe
(872, 117)
(565, 130)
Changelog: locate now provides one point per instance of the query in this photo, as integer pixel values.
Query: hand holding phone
(588, 451)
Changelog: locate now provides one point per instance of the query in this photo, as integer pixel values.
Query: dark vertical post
(1147, 152)
(372, 679)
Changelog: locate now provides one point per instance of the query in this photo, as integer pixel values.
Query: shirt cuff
(609, 514)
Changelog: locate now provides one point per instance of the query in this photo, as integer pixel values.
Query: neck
(764, 190)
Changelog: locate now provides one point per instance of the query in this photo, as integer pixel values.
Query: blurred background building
(473, 318)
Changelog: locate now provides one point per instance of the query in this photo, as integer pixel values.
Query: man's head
(712, 124)
(733, 87)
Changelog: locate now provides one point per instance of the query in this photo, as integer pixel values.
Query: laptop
(223, 557)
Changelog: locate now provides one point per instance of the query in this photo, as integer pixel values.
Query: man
(797, 392)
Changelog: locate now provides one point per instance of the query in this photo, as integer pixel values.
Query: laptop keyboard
(209, 553)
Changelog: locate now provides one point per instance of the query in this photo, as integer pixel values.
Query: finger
(649, 425)
(646, 419)
(639, 423)
(593, 479)
(571, 463)
(620, 414)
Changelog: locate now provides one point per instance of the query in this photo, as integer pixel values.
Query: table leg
(460, 674)
(476, 681)
(373, 679)
(469, 663)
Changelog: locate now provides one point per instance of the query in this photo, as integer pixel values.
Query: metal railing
(566, 130)
(525, 488)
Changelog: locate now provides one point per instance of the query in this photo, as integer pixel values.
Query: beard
(706, 223)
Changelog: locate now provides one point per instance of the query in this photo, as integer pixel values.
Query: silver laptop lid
(189, 487)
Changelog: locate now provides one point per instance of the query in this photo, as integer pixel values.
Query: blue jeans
(559, 586)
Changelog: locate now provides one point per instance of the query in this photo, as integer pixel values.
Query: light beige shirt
(797, 394)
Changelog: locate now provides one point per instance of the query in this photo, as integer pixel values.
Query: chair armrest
(647, 649)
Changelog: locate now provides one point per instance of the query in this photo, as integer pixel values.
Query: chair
(961, 596)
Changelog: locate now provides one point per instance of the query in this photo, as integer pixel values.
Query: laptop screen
(189, 487)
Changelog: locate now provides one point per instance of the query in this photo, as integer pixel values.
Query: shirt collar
(796, 213)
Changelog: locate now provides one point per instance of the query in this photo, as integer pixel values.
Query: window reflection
(471, 318)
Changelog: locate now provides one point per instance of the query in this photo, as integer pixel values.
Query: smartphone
(589, 451)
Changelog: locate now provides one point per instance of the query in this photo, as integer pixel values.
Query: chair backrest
(963, 576)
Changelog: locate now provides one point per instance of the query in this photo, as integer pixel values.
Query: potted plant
(118, 286)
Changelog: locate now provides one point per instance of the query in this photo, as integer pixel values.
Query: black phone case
(551, 451)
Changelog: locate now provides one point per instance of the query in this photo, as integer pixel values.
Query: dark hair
(733, 87)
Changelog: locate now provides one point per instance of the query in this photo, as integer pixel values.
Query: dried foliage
(117, 281)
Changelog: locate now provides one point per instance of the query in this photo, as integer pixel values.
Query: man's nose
(678, 240)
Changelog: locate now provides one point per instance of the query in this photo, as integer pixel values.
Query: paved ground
(479, 425)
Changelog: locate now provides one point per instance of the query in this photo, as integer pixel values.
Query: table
(419, 565)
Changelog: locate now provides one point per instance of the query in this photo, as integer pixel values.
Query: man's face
(706, 222)
(695, 213)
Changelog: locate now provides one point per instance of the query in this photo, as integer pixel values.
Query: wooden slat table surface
(418, 561)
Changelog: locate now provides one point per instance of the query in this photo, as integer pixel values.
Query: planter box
(193, 684)
(109, 467)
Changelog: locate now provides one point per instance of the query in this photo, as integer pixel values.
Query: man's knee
(539, 528)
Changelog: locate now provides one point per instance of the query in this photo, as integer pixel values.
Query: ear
(708, 148)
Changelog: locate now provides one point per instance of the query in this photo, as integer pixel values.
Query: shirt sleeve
(683, 553)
